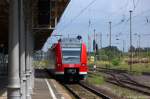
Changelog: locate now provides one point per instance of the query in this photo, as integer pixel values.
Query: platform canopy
(45, 16)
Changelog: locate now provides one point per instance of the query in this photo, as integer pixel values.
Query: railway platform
(46, 87)
(41, 90)
(41, 86)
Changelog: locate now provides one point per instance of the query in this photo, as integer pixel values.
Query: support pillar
(32, 48)
(30, 62)
(13, 67)
(22, 50)
(28, 68)
(27, 50)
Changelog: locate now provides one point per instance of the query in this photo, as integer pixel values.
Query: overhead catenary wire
(126, 20)
(123, 20)
(137, 3)
(134, 5)
(78, 15)
(81, 12)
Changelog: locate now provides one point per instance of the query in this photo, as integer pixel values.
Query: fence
(3, 65)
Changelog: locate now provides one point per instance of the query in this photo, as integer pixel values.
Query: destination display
(70, 43)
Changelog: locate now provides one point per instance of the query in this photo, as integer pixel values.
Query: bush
(103, 57)
(41, 64)
(115, 62)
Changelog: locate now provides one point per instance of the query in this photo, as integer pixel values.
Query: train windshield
(71, 55)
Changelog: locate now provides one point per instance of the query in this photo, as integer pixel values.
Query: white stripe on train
(63, 72)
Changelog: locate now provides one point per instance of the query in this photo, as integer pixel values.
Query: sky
(81, 17)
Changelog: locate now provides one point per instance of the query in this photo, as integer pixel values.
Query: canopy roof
(45, 16)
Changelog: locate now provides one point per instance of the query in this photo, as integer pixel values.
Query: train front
(74, 60)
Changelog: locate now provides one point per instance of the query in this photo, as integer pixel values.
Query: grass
(41, 64)
(126, 93)
(138, 68)
(95, 79)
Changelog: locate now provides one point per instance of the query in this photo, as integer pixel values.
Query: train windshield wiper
(73, 57)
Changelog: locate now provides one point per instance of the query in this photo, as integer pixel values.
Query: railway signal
(94, 45)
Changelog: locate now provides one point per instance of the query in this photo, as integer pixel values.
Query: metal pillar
(22, 50)
(89, 48)
(27, 50)
(101, 41)
(32, 48)
(110, 33)
(28, 69)
(13, 67)
(139, 45)
(123, 47)
(131, 53)
(30, 63)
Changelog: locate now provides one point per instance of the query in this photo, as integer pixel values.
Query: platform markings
(54, 85)
(62, 98)
(58, 93)
(50, 89)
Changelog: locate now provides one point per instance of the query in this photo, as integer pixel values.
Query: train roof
(70, 42)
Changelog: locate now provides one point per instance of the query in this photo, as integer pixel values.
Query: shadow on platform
(3, 85)
(43, 73)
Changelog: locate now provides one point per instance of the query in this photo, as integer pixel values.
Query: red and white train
(69, 59)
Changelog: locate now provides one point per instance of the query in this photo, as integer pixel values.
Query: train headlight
(83, 64)
(58, 65)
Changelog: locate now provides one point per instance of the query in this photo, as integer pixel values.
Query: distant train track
(119, 71)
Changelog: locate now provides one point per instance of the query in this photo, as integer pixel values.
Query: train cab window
(71, 55)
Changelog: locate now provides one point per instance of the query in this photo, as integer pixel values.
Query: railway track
(126, 81)
(82, 91)
(129, 83)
